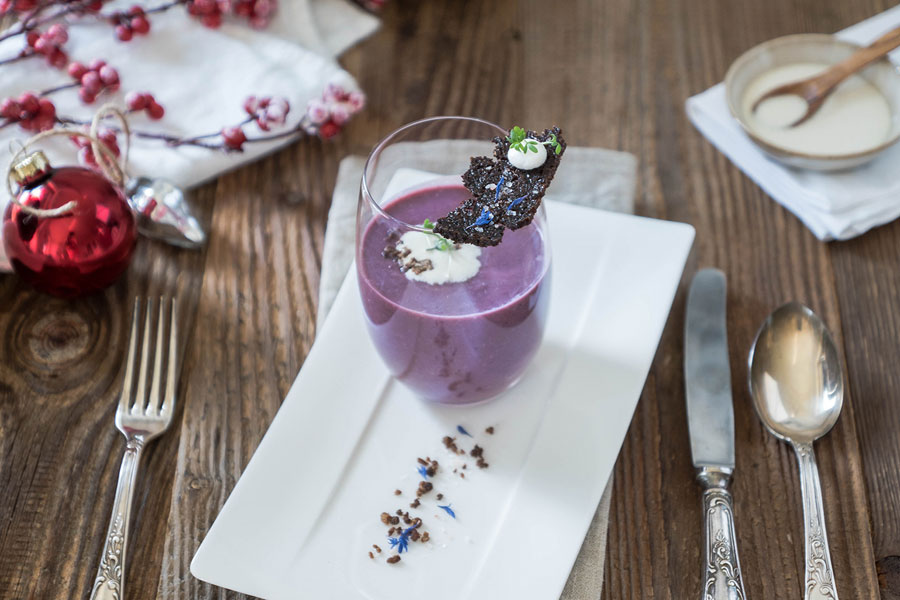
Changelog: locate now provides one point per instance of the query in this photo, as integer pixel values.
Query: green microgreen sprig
(553, 143)
(441, 243)
(519, 140)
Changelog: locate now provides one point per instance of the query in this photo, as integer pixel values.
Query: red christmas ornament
(79, 252)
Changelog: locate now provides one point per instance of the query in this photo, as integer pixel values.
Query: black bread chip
(482, 219)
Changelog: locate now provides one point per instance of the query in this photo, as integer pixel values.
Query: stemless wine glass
(457, 342)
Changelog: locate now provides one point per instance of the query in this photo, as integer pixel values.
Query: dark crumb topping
(450, 444)
(416, 266)
(424, 488)
(401, 534)
(503, 197)
(490, 430)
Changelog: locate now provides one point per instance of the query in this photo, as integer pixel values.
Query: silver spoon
(797, 386)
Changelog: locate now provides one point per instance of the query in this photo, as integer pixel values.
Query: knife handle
(722, 571)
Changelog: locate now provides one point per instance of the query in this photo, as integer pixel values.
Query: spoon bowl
(796, 378)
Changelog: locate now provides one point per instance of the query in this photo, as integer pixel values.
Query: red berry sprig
(210, 12)
(143, 101)
(129, 23)
(19, 6)
(267, 111)
(94, 78)
(31, 112)
(258, 12)
(49, 44)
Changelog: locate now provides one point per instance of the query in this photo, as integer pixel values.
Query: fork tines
(160, 322)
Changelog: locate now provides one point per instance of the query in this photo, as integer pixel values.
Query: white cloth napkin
(201, 76)
(588, 176)
(839, 205)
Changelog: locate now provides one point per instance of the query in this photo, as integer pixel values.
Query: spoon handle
(819, 574)
(856, 61)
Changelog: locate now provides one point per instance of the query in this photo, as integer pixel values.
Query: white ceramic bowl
(806, 48)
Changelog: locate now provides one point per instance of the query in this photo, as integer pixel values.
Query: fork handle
(110, 581)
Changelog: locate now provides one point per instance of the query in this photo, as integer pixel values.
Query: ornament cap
(31, 166)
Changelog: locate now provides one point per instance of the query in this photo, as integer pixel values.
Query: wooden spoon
(814, 90)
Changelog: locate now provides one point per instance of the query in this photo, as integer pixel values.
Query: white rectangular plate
(305, 513)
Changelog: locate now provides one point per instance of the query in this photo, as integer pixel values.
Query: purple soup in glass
(456, 342)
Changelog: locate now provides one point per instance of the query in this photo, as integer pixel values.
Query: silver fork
(140, 418)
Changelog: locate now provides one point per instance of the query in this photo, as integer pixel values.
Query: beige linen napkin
(593, 177)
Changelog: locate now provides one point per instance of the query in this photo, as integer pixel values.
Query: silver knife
(707, 380)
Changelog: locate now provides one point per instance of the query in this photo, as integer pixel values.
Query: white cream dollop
(529, 159)
(453, 265)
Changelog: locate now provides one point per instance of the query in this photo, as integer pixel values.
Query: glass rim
(390, 138)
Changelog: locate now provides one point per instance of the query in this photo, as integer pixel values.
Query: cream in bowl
(856, 122)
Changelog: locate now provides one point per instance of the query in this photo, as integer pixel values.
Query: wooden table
(613, 73)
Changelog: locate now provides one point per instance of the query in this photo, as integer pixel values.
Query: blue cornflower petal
(402, 542)
(423, 471)
(484, 218)
(447, 510)
(514, 204)
(497, 193)
(462, 430)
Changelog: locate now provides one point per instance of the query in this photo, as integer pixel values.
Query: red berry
(91, 82)
(32, 38)
(136, 10)
(156, 111)
(86, 95)
(29, 103)
(328, 129)
(77, 70)
(95, 6)
(46, 108)
(136, 101)
(234, 137)
(96, 64)
(140, 25)
(212, 21)
(42, 45)
(10, 109)
(58, 34)
(108, 75)
(58, 58)
(123, 33)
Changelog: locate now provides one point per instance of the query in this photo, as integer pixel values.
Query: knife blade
(707, 374)
(707, 379)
